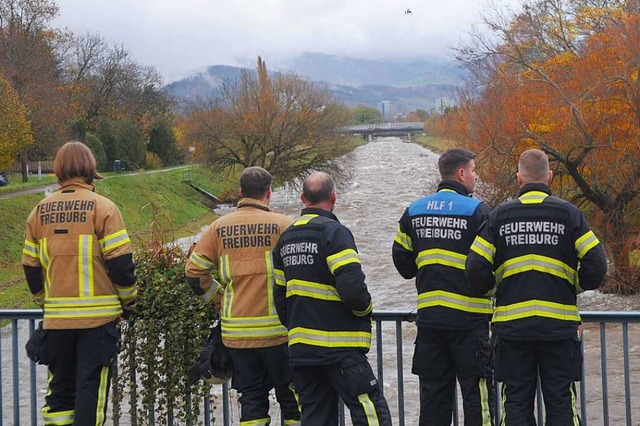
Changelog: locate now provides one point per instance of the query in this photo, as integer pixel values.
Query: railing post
(400, 372)
(603, 364)
(16, 370)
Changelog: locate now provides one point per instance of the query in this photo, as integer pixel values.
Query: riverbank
(139, 197)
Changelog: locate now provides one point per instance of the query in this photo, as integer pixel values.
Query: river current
(388, 175)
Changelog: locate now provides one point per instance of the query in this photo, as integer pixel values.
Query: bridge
(385, 129)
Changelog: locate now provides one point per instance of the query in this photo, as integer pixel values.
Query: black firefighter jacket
(320, 292)
(539, 253)
(432, 241)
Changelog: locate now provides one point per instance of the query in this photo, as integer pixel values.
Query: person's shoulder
(280, 218)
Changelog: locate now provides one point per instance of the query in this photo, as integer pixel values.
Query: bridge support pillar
(370, 137)
(409, 137)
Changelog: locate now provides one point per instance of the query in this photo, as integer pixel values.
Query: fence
(611, 370)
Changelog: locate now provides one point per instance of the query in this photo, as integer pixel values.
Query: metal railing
(611, 366)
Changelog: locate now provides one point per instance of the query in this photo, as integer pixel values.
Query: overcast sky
(180, 37)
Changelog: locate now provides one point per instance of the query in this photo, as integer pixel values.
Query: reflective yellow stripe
(342, 258)
(115, 240)
(102, 396)
(536, 262)
(225, 276)
(110, 299)
(454, 301)
(58, 418)
(258, 422)
(312, 290)
(292, 422)
(330, 339)
(200, 261)
(45, 259)
(211, 292)
(278, 276)
(95, 312)
(533, 197)
(369, 409)
(127, 293)
(366, 311)
(586, 243)
(85, 265)
(225, 269)
(403, 239)
(484, 248)
(303, 220)
(574, 405)
(441, 257)
(68, 307)
(30, 249)
(485, 411)
(268, 260)
(536, 308)
(253, 327)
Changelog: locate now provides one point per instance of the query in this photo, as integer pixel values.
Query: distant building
(387, 109)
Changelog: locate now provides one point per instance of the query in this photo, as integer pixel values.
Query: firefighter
(77, 260)
(432, 241)
(238, 246)
(538, 252)
(321, 297)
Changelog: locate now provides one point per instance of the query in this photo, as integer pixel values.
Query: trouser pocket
(358, 377)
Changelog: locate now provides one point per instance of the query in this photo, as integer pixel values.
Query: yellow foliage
(15, 129)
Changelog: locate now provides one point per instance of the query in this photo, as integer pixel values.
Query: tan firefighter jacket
(238, 246)
(77, 258)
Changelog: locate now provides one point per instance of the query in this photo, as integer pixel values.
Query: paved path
(54, 186)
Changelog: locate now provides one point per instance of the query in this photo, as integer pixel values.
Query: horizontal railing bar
(587, 316)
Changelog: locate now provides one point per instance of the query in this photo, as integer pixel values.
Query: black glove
(36, 346)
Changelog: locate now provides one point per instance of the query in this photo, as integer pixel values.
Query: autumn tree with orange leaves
(281, 122)
(562, 77)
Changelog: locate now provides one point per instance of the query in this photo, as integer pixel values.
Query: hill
(408, 84)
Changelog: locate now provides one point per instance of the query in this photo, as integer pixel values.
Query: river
(388, 175)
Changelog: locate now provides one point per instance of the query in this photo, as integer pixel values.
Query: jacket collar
(528, 187)
(454, 186)
(252, 202)
(76, 183)
(319, 212)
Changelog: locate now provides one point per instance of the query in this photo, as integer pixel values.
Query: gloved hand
(36, 345)
(126, 314)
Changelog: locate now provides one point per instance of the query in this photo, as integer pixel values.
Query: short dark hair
(74, 159)
(452, 159)
(318, 187)
(255, 182)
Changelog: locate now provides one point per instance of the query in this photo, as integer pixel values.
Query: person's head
(318, 190)
(75, 160)
(255, 182)
(458, 164)
(533, 167)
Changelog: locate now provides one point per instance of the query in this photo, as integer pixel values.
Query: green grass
(433, 143)
(187, 209)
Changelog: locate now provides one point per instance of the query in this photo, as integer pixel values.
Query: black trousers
(440, 357)
(353, 380)
(79, 375)
(255, 372)
(559, 364)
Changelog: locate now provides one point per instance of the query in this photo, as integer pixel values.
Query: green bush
(161, 340)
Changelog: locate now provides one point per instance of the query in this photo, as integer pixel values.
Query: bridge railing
(611, 369)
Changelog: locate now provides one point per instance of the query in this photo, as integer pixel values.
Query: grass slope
(188, 211)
